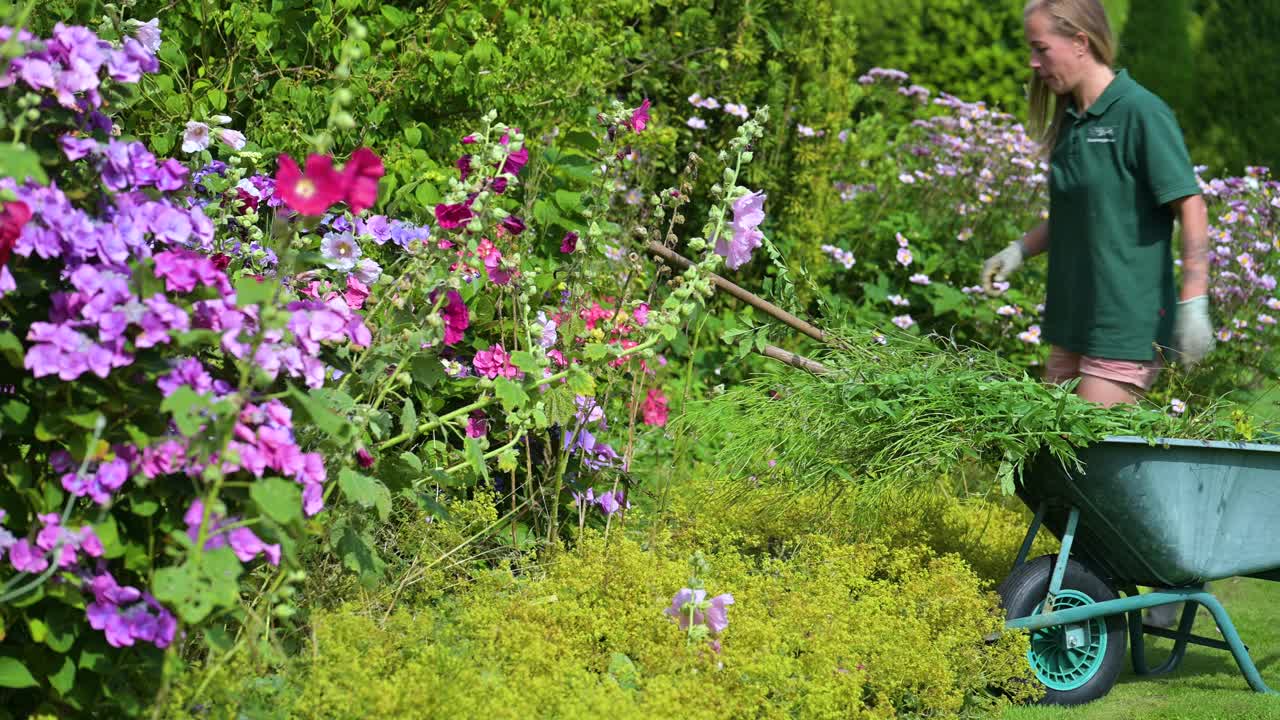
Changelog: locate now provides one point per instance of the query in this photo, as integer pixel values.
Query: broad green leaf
(511, 394)
(358, 553)
(396, 17)
(109, 534)
(21, 163)
(65, 678)
(185, 406)
(412, 135)
(278, 499)
(217, 99)
(527, 362)
(205, 582)
(559, 404)
(11, 348)
(568, 200)
(86, 420)
(365, 491)
(251, 291)
(412, 461)
(426, 370)
(596, 351)
(581, 382)
(13, 674)
(329, 422)
(427, 194)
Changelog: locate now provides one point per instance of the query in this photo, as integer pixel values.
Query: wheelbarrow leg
(1030, 539)
(1229, 634)
(1138, 645)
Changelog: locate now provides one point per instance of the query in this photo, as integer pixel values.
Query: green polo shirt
(1115, 167)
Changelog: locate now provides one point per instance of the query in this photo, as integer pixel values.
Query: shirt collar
(1118, 88)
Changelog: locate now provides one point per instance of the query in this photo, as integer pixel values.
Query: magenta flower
(243, 542)
(451, 217)
(639, 117)
(569, 243)
(477, 425)
(494, 362)
(456, 318)
(655, 408)
(748, 213)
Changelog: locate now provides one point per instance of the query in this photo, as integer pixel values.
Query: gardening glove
(1001, 265)
(1193, 331)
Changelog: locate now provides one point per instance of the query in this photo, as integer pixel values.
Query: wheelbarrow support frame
(1132, 606)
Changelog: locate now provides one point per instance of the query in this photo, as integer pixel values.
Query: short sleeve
(1162, 156)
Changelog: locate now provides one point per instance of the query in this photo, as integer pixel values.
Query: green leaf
(185, 406)
(205, 582)
(20, 163)
(86, 420)
(426, 194)
(109, 534)
(511, 394)
(581, 382)
(365, 491)
(356, 549)
(251, 291)
(408, 417)
(396, 17)
(217, 99)
(623, 670)
(475, 456)
(329, 422)
(596, 351)
(412, 461)
(527, 362)
(568, 200)
(11, 348)
(65, 678)
(412, 135)
(13, 674)
(278, 499)
(426, 370)
(559, 404)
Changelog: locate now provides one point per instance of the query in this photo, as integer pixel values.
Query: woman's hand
(1193, 330)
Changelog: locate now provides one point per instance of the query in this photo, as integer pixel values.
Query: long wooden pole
(671, 257)
(801, 362)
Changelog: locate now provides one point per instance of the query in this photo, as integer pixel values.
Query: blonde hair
(1047, 109)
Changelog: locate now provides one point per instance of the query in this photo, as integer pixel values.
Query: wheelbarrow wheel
(1075, 664)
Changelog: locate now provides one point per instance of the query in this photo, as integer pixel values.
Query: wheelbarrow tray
(1171, 514)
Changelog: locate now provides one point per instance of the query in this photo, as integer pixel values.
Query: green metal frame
(1132, 606)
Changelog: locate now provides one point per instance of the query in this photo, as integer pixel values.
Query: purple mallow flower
(748, 213)
(127, 615)
(714, 613)
(243, 542)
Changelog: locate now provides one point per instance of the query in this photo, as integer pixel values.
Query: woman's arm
(1036, 240)
(1194, 218)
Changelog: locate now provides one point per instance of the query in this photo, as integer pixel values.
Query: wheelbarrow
(1173, 515)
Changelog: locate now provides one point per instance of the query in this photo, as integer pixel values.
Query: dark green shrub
(1156, 49)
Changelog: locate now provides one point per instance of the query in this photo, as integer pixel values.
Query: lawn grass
(1207, 686)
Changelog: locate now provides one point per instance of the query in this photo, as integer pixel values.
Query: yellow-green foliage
(830, 630)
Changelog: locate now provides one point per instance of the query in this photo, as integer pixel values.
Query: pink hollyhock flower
(569, 243)
(470, 139)
(312, 192)
(639, 117)
(641, 314)
(655, 408)
(360, 179)
(748, 213)
(497, 273)
(356, 293)
(450, 217)
(516, 161)
(494, 362)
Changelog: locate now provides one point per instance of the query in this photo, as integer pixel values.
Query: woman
(1119, 175)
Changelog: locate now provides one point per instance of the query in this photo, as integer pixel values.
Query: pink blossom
(655, 408)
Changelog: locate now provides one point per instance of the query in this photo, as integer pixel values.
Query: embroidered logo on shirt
(1102, 134)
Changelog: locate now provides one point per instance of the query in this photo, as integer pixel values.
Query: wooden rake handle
(671, 257)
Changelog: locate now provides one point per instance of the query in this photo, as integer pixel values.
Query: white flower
(1006, 311)
(902, 241)
(1031, 335)
(233, 139)
(341, 250)
(368, 271)
(904, 257)
(919, 279)
(907, 178)
(904, 321)
(196, 137)
(899, 301)
(696, 123)
(220, 119)
(1177, 406)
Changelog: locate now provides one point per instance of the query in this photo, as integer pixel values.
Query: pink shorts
(1064, 365)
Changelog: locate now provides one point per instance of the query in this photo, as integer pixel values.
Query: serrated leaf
(251, 291)
(511, 394)
(507, 460)
(595, 351)
(559, 404)
(278, 499)
(426, 370)
(365, 491)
